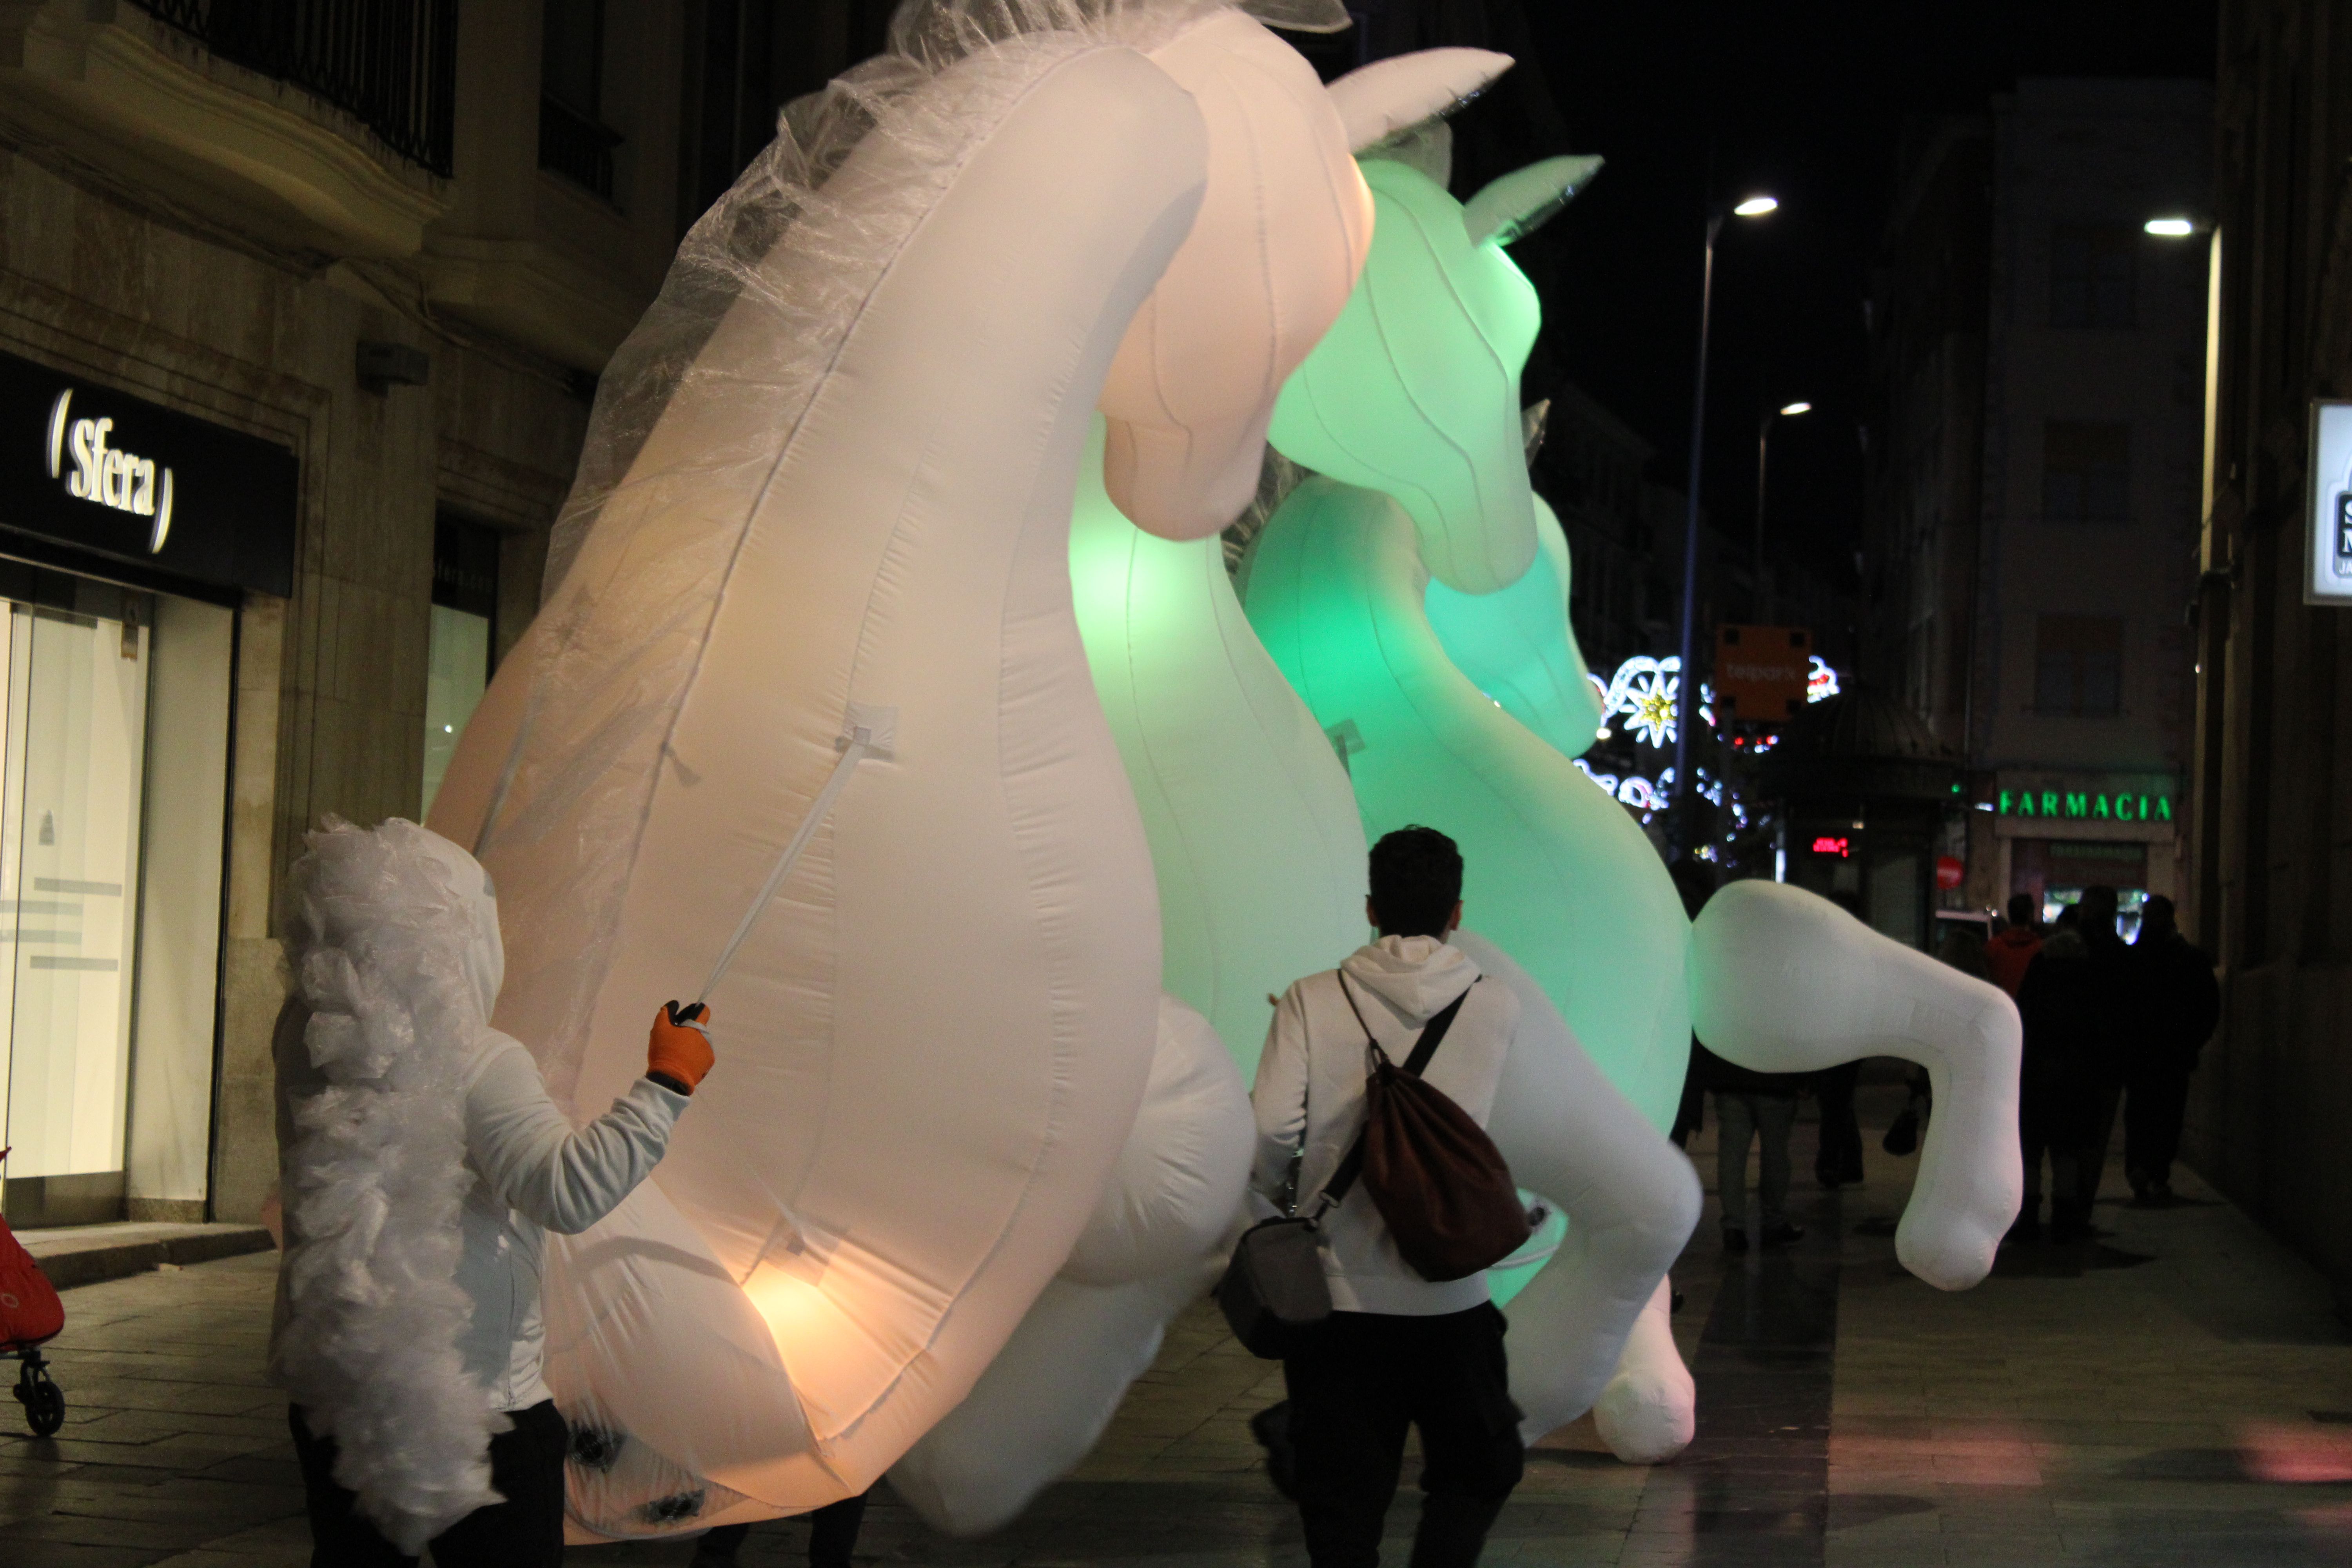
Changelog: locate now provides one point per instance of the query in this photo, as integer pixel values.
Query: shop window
(2055, 872)
(2085, 472)
(70, 809)
(2078, 666)
(573, 140)
(458, 661)
(2092, 275)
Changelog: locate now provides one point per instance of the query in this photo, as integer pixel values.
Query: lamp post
(1763, 448)
(1687, 695)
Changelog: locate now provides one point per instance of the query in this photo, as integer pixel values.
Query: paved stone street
(2178, 1393)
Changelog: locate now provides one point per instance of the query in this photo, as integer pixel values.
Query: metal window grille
(391, 63)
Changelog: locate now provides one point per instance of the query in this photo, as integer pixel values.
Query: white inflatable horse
(811, 609)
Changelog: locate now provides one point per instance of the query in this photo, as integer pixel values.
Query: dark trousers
(1764, 1118)
(2098, 1132)
(2037, 1136)
(1367, 1377)
(526, 1530)
(833, 1535)
(2154, 1109)
(1839, 1160)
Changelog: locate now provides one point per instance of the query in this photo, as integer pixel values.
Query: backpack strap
(1433, 1034)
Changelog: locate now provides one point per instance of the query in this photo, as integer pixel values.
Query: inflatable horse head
(1415, 390)
(1282, 234)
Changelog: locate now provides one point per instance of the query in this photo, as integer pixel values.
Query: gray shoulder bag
(1274, 1294)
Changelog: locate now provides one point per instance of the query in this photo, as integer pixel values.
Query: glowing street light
(1756, 207)
(2170, 227)
(1763, 450)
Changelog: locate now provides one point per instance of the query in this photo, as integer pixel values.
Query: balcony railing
(391, 63)
(576, 147)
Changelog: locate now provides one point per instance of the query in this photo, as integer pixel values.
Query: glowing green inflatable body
(1254, 836)
(1556, 874)
(1412, 400)
(1416, 603)
(1516, 646)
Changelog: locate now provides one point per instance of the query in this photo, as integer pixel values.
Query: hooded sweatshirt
(1310, 1100)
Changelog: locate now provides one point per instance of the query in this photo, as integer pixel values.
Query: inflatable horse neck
(946, 424)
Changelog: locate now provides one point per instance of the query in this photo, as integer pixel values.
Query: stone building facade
(2270, 885)
(349, 287)
(2038, 352)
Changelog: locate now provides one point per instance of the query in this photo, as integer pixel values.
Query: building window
(2091, 275)
(459, 657)
(2078, 667)
(573, 140)
(2085, 472)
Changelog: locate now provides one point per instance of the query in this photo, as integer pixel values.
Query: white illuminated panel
(2327, 529)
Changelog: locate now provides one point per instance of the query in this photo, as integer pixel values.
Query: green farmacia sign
(2085, 805)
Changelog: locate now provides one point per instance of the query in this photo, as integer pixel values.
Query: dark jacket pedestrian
(2113, 979)
(2178, 1003)
(2060, 1004)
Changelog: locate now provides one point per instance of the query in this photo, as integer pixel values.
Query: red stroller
(30, 1316)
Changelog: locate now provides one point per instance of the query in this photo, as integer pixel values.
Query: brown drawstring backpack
(1437, 1179)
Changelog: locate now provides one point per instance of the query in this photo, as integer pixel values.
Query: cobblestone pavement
(2178, 1393)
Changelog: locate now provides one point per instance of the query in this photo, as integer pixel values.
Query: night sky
(1808, 102)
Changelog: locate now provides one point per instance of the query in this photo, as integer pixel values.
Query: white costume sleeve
(561, 1177)
(1279, 1097)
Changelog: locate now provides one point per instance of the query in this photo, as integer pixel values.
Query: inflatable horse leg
(1044, 1402)
(1150, 1250)
(1782, 981)
(1631, 1198)
(1649, 1410)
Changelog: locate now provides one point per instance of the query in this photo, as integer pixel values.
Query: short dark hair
(2023, 908)
(1416, 880)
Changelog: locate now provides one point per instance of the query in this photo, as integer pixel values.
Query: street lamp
(1687, 699)
(2170, 227)
(1763, 440)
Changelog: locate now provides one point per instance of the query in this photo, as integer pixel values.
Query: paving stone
(1851, 1417)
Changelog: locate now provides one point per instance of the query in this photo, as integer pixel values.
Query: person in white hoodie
(1398, 1351)
(423, 1164)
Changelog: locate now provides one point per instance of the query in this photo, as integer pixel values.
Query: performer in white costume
(423, 1165)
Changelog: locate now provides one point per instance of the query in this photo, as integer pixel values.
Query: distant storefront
(130, 535)
(2055, 834)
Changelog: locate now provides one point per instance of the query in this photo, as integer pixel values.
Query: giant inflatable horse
(807, 689)
(1402, 593)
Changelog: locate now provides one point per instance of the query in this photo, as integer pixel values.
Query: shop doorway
(114, 730)
(71, 800)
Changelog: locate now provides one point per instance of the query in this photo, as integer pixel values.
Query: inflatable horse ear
(1377, 100)
(1281, 234)
(1415, 390)
(1523, 201)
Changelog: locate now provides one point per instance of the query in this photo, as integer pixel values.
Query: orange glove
(679, 1053)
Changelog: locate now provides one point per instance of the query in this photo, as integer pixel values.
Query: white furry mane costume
(394, 947)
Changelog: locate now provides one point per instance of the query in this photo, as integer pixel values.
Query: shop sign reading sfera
(101, 471)
(107, 475)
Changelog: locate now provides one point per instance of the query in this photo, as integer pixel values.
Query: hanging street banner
(1763, 674)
